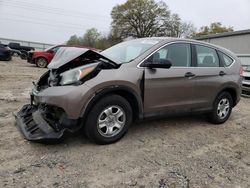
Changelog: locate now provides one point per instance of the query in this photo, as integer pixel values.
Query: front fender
(127, 92)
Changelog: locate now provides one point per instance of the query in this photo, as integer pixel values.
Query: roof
(227, 34)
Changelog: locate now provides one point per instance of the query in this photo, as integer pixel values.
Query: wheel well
(40, 57)
(132, 101)
(233, 93)
(129, 96)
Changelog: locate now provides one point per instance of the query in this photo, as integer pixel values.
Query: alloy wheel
(223, 108)
(111, 121)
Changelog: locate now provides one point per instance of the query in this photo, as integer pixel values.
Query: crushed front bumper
(34, 127)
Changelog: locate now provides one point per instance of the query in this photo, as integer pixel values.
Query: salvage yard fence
(36, 45)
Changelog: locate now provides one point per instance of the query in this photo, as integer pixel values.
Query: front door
(170, 90)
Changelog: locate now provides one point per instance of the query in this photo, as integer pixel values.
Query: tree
(146, 18)
(90, 37)
(74, 40)
(139, 18)
(186, 30)
(214, 28)
(93, 38)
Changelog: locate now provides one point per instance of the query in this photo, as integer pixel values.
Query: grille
(246, 85)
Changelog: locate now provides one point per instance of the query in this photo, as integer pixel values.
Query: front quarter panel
(69, 98)
(126, 76)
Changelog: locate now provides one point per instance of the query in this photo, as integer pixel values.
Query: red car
(43, 58)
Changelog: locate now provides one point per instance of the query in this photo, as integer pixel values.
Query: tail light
(241, 70)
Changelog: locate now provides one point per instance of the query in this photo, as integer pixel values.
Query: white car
(246, 82)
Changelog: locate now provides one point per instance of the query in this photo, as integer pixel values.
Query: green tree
(93, 38)
(74, 40)
(214, 28)
(139, 18)
(146, 18)
(90, 37)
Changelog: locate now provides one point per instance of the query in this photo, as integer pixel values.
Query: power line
(46, 9)
(49, 20)
(40, 23)
(54, 8)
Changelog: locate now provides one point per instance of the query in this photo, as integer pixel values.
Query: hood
(66, 54)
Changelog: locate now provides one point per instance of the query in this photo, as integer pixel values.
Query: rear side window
(227, 61)
(206, 57)
(179, 54)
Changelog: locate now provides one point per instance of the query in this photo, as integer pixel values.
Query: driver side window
(179, 54)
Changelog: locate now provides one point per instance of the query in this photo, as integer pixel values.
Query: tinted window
(206, 57)
(227, 61)
(179, 54)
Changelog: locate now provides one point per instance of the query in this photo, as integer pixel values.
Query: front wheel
(222, 108)
(108, 120)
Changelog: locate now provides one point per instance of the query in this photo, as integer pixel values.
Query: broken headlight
(76, 74)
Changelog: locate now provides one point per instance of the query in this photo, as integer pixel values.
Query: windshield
(126, 51)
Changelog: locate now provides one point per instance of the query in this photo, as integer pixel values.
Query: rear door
(210, 75)
(170, 89)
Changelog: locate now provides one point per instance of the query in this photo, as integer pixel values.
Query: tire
(23, 56)
(8, 58)
(222, 108)
(108, 120)
(41, 62)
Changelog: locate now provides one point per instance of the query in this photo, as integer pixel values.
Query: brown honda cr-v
(150, 77)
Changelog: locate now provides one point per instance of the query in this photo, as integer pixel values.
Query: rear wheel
(108, 120)
(222, 108)
(41, 62)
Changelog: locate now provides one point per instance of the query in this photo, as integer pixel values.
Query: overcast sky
(54, 21)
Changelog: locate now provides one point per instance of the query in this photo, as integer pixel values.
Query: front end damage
(38, 123)
(55, 108)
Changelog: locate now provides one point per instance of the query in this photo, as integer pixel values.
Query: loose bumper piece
(34, 127)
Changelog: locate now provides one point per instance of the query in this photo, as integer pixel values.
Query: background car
(246, 82)
(43, 58)
(23, 49)
(5, 53)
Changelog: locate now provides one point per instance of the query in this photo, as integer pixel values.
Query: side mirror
(158, 63)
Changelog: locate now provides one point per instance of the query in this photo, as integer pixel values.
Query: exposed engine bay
(86, 66)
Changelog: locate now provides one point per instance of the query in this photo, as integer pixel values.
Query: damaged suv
(143, 78)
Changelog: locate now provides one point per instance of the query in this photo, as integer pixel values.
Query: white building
(237, 41)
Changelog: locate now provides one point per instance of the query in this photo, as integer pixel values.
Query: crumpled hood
(66, 54)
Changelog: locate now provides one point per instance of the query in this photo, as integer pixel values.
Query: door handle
(222, 73)
(189, 74)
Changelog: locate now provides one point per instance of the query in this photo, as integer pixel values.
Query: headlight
(74, 75)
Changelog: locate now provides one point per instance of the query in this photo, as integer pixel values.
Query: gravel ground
(175, 152)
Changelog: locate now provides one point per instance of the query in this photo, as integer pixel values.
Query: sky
(54, 21)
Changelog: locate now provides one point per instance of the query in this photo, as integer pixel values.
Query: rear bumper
(30, 60)
(34, 127)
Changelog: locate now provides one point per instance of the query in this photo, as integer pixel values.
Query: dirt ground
(172, 153)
